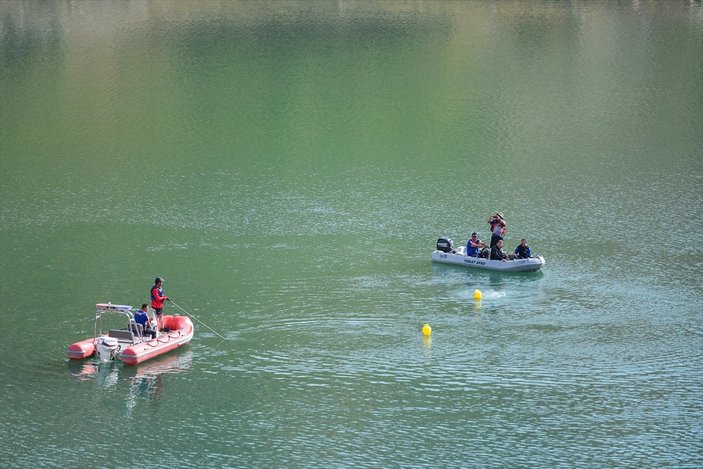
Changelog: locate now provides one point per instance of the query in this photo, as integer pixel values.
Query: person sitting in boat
(498, 225)
(497, 253)
(142, 317)
(474, 245)
(523, 251)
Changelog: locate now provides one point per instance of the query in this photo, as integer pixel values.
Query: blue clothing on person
(471, 250)
(141, 317)
(474, 245)
(523, 251)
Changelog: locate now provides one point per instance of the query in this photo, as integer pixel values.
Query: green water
(288, 167)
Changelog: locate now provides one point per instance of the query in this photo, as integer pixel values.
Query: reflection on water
(427, 346)
(140, 383)
(92, 369)
(306, 158)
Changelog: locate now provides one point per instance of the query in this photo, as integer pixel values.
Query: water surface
(288, 167)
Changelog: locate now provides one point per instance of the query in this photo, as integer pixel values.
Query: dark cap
(158, 280)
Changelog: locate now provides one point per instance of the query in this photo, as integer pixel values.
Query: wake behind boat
(129, 344)
(446, 253)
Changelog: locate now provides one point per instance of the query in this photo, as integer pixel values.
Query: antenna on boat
(201, 322)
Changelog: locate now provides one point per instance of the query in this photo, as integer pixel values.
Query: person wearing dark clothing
(142, 317)
(498, 230)
(497, 253)
(523, 251)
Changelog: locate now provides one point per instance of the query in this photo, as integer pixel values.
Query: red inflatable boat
(128, 344)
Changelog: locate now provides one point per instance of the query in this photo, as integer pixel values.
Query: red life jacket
(157, 297)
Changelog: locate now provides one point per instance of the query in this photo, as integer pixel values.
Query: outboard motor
(108, 348)
(445, 244)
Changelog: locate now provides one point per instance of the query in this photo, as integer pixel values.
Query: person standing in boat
(474, 245)
(497, 253)
(498, 224)
(142, 317)
(523, 251)
(157, 301)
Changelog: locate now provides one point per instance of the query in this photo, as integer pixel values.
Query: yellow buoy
(478, 295)
(426, 330)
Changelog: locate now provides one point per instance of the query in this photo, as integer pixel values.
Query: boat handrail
(138, 328)
(108, 308)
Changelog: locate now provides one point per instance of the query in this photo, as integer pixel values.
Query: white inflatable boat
(448, 254)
